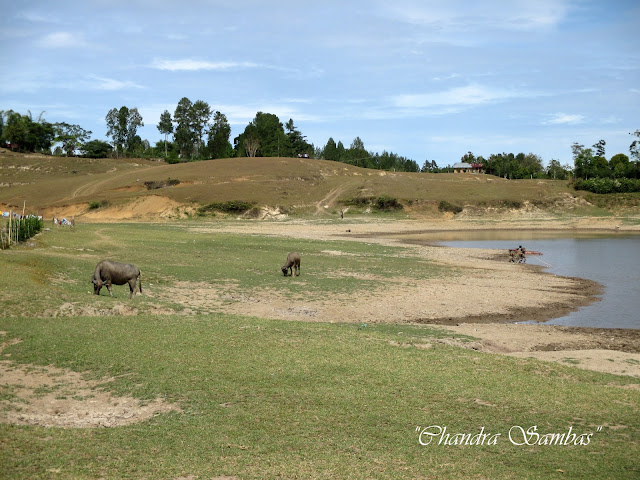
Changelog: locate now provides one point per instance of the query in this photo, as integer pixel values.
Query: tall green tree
(134, 122)
(199, 116)
(122, 127)
(265, 131)
(357, 154)
(557, 171)
(165, 126)
(341, 151)
(296, 141)
(191, 121)
(72, 137)
(184, 136)
(469, 158)
(584, 163)
(619, 165)
(219, 133)
(634, 150)
(330, 151)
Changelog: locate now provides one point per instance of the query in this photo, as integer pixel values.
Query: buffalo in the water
(108, 272)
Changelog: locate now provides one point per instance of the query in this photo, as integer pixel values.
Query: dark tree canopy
(96, 149)
(267, 132)
(219, 133)
(27, 134)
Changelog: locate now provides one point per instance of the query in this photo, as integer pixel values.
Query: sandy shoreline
(484, 301)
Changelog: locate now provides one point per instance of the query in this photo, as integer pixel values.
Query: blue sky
(424, 79)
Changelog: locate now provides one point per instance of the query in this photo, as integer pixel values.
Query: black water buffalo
(293, 263)
(108, 273)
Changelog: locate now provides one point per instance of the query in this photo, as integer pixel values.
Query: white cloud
(195, 65)
(110, 84)
(61, 40)
(469, 95)
(462, 15)
(243, 114)
(35, 16)
(565, 119)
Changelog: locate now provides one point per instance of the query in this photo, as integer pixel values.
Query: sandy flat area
(484, 300)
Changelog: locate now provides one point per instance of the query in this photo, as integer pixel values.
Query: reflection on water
(611, 260)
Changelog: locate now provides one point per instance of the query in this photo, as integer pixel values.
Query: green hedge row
(609, 185)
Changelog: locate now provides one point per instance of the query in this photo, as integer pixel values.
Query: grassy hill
(69, 186)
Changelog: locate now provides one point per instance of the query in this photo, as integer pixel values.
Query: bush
(608, 185)
(379, 203)
(95, 205)
(387, 203)
(232, 206)
(511, 204)
(445, 206)
(357, 201)
(155, 184)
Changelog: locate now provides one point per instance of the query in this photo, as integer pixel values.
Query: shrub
(608, 185)
(95, 205)
(445, 206)
(357, 201)
(387, 203)
(511, 204)
(232, 206)
(155, 184)
(383, 202)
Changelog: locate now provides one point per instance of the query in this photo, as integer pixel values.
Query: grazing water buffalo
(293, 263)
(108, 272)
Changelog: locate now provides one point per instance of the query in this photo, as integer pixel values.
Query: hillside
(56, 186)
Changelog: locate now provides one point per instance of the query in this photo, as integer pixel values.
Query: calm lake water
(611, 260)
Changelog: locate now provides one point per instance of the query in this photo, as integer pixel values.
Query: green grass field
(265, 398)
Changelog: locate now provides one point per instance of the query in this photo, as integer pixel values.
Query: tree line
(194, 131)
(592, 162)
(595, 173)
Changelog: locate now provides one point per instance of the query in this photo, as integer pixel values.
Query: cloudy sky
(424, 79)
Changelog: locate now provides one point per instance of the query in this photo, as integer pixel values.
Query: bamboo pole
(24, 206)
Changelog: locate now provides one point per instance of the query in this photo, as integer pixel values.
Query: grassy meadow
(263, 398)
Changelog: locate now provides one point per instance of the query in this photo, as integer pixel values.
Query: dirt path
(328, 201)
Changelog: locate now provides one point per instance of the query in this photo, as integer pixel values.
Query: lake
(612, 260)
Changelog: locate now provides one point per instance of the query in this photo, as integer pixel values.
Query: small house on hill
(463, 167)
